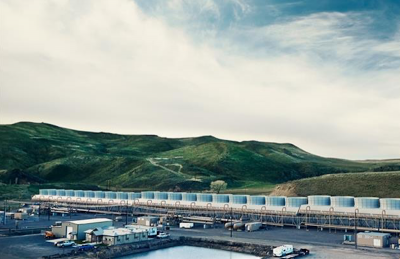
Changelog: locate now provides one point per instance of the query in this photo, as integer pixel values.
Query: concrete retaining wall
(129, 249)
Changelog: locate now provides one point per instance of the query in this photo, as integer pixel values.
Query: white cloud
(107, 66)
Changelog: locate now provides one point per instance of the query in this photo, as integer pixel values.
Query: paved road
(322, 245)
(30, 246)
(42, 222)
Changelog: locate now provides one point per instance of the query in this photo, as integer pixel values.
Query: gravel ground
(322, 244)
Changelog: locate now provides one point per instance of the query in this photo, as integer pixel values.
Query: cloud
(109, 66)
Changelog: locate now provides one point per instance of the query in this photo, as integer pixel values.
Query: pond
(189, 252)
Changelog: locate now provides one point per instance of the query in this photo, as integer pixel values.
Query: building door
(70, 231)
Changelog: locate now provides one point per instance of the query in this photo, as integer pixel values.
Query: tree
(218, 186)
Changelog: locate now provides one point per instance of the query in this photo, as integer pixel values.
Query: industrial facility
(322, 211)
(75, 230)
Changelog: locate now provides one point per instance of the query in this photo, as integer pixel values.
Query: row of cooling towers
(316, 200)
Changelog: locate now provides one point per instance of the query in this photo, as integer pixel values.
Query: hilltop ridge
(46, 153)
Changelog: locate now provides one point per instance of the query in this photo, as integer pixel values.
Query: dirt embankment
(135, 248)
(286, 189)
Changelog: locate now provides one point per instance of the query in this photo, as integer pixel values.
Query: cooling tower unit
(148, 195)
(239, 199)
(161, 196)
(69, 193)
(203, 197)
(221, 198)
(175, 196)
(275, 200)
(257, 200)
(99, 194)
(110, 195)
(89, 194)
(122, 196)
(134, 195)
(366, 202)
(44, 192)
(319, 200)
(342, 201)
(295, 201)
(390, 204)
(52, 192)
(60, 192)
(189, 196)
(79, 193)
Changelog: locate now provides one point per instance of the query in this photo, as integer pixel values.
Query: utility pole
(5, 218)
(48, 213)
(231, 222)
(355, 228)
(126, 215)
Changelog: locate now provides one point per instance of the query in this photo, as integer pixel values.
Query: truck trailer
(283, 250)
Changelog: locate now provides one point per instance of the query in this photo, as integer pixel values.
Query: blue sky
(323, 75)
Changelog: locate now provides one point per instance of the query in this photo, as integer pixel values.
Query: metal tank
(89, 194)
(134, 195)
(275, 200)
(295, 201)
(366, 202)
(257, 200)
(161, 196)
(122, 195)
(175, 196)
(110, 195)
(70, 193)
(189, 196)
(60, 192)
(148, 195)
(221, 198)
(99, 194)
(44, 192)
(319, 200)
(239, 199)
(390, 204)
(342, 201)
(204, 197)
(79, 193)
(52, 192)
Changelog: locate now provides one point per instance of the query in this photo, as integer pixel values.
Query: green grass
(39, 153)
(375, 184)
(25, 191)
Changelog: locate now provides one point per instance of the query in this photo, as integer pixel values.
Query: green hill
(43, 153)
(376, 184)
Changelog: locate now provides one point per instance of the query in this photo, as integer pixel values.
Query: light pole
(355, 228)
(231, 222)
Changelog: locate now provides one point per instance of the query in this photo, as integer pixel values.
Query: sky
(321, 74)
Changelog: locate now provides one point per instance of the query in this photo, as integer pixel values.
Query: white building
(118, 236)
(151, 231)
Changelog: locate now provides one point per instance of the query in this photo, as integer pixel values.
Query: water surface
(189, 252)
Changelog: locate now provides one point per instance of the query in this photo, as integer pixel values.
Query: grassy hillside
(43, 153)
(375, 184)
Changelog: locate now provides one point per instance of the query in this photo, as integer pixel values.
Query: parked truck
(186, 225)
(49, 235)
(282, 250)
